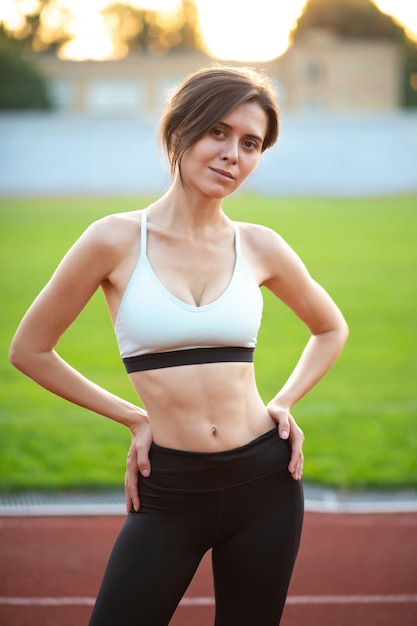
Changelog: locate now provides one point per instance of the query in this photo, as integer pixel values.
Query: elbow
(337, 329)
(337, 333)
(17, 356)
(344, 331)
(27, 358)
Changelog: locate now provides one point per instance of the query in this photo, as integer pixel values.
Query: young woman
(217, 468)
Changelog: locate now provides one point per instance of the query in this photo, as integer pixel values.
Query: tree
(22, 87)
(130, 28)
(410, 73)
(349, 19)
(154, 32)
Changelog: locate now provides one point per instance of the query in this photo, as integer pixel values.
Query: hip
(181, 470)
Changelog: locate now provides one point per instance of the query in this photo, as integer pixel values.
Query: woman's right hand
(137, 462)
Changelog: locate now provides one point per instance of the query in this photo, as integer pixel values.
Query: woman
(182, 285)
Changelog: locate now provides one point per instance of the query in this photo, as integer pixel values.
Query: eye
(250, 144)
(218, 132)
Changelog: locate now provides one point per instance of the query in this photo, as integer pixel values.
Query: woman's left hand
(289, 429)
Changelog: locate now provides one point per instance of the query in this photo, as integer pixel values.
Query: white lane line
(374, 599)
(27, 601)
(209, 601)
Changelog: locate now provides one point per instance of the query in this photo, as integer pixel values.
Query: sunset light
(232, 29)
(236, 30)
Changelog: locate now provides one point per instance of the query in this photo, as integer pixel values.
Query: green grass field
(360, 421)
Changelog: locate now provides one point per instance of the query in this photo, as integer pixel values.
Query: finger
(143, 463)
(129, 503)
(131, 493)
(284, 427)
(132, 500)
(296, 464)
(131, 483)
(144, 468)
(143, 445)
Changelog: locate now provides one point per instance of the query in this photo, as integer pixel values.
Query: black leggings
(242, 503)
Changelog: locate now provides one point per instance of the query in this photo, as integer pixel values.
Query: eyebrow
(251, 135)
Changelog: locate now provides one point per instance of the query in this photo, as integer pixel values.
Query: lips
(223, 173)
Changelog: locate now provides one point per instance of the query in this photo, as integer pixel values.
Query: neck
(184, 210)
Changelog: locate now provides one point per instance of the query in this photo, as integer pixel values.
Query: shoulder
(112, 236)
(265, 243)
(113, 230)
(105, 243)
(259, 236)
(273, 259)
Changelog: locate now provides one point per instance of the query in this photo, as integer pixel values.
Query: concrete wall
(317, 154)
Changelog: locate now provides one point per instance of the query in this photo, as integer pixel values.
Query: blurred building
(324, 72)
(319, 72)
(135, 85)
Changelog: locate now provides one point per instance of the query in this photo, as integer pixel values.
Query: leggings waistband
(181, 470)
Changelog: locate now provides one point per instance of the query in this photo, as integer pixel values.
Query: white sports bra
(155, 329)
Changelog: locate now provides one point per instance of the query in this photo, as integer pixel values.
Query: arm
(287, 277)
(316, 359)
(86, 266)
(328, 335)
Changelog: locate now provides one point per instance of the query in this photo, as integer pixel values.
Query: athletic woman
(211, 466)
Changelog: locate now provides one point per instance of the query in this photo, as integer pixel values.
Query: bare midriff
(203, 408)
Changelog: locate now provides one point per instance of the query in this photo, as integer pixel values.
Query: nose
(230, 150)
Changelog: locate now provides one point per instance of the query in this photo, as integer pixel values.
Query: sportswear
(243, 504)
(156, 329)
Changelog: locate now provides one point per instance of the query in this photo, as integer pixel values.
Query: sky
(248, 31)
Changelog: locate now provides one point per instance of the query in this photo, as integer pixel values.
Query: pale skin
(203, 408)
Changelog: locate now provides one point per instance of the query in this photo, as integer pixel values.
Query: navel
(213, 431)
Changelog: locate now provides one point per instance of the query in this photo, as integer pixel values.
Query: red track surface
(353, 569)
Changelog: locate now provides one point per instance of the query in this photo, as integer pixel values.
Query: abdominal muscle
(203, 408)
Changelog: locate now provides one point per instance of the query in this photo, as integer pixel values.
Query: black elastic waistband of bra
(190, 356)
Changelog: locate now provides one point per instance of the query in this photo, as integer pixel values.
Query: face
(220, 161)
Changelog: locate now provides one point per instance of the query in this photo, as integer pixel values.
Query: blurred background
(82, 85)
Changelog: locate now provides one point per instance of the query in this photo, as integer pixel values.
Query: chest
(196, 273)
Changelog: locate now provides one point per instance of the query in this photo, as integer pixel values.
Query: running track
(353, 569)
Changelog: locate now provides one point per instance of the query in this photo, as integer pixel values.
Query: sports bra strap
(237, 239)
(143, 229)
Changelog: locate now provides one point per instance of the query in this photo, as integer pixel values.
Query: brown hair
(207, 96)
